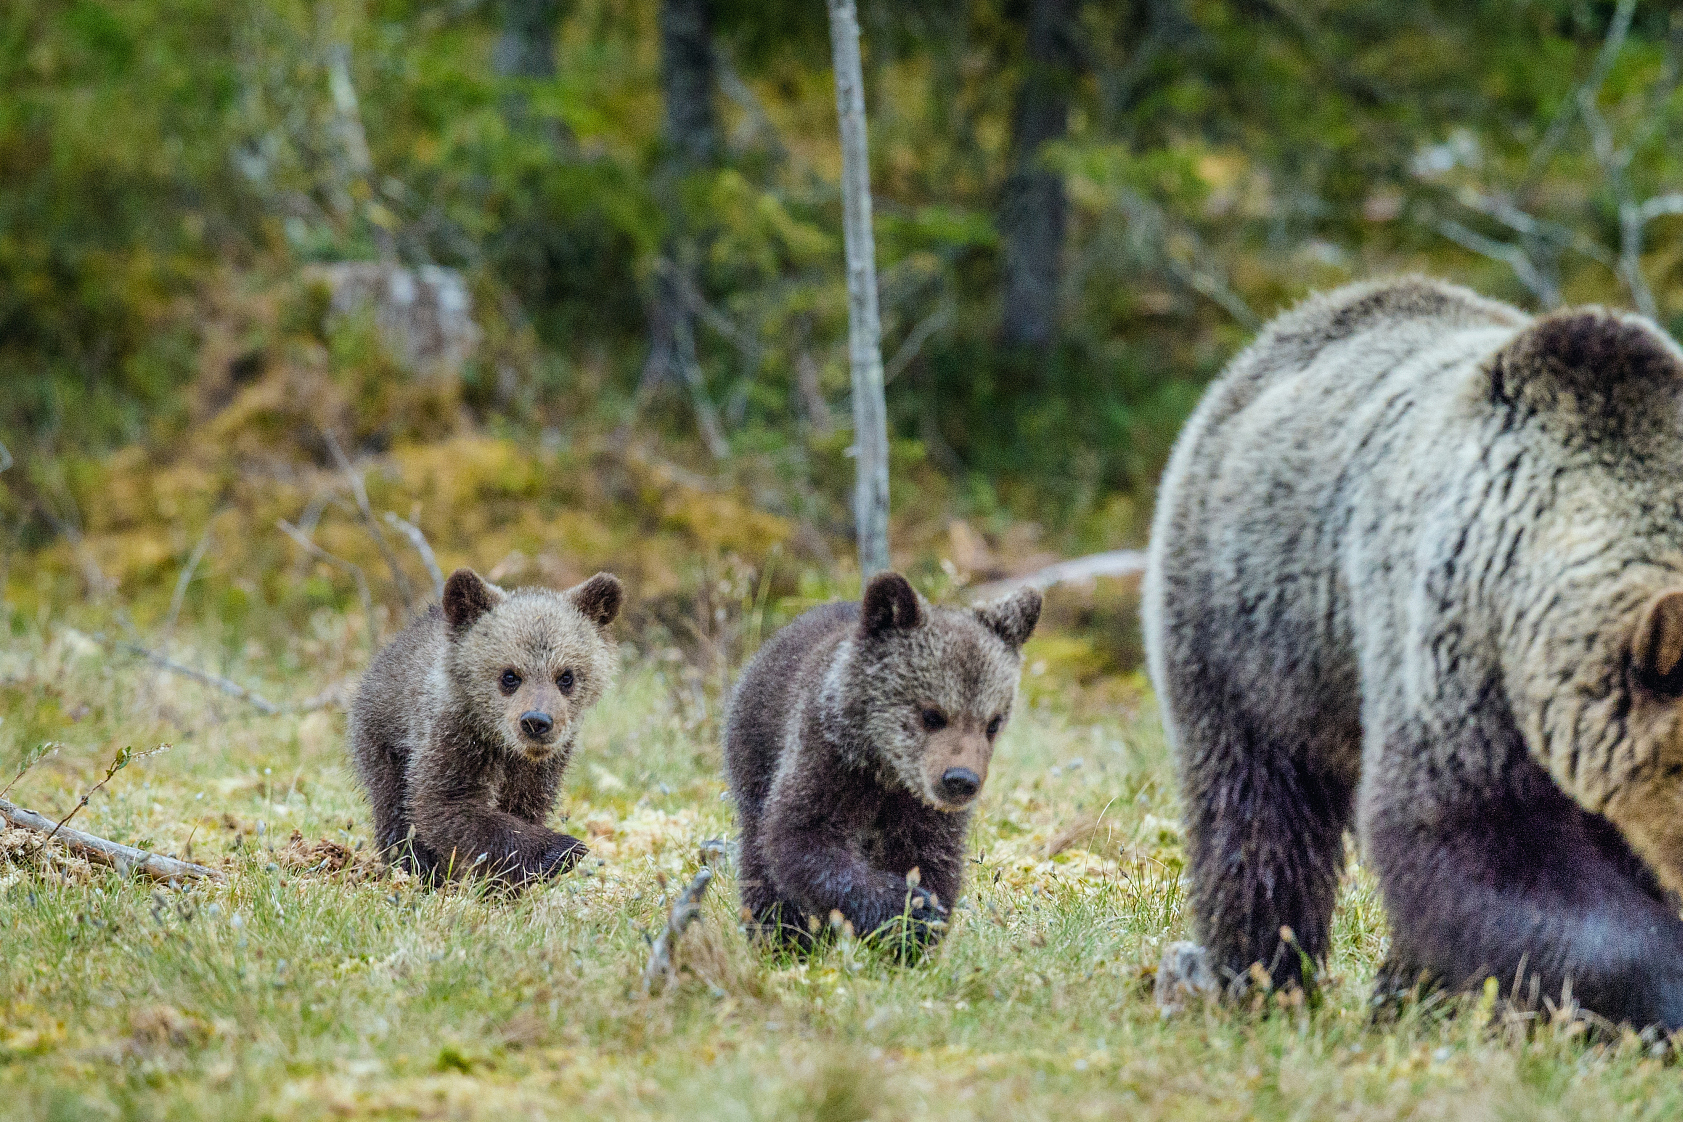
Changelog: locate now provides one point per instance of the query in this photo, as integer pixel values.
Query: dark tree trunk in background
(690, 132)
(686, 81)
(1033, 206)
(526, 46)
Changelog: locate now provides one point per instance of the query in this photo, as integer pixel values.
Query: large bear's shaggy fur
(1417, 567)
(856, 743)
(465, 722)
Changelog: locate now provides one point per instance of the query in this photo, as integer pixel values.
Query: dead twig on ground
(30, 759)
(180, 595)
(419, 540)
(125, 756)
(360, 493)
(1614, 42)
(684, 910)
(361, 578)
(99, 851)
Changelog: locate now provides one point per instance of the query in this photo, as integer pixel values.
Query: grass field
(296, 991)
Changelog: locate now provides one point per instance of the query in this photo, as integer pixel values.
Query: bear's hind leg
(1267, 848)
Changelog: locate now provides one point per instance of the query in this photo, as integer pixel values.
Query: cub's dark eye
(933, 720)
(510, 681)
(993, 727)
(565, 681)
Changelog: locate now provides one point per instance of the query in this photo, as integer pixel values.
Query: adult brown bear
(1417, 569)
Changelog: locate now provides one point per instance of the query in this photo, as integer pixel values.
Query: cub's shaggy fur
(1418, 566)
(466, 720)
(856, 743)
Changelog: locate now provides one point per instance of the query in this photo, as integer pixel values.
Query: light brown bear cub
(856, 743)
(466, 721)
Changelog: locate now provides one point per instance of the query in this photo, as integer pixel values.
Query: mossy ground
(297, 992)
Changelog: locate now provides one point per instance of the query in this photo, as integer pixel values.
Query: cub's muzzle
(536, 725)
(960, 784)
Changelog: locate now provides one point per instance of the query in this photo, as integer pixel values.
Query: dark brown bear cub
(856, 743)
(465, 722)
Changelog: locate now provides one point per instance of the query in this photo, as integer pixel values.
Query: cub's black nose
(960, 783)
(535, 724)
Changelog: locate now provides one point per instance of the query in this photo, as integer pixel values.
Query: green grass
(292, 994)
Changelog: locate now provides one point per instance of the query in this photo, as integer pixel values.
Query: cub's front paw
(561, 855)
(923, 906)
(917, 920)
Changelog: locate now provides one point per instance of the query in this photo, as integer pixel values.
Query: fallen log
(1116, 563)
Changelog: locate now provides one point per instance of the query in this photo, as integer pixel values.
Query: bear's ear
(598, 598)
(890, 604)
(1012, 618)
(1657, 649)
(467, 597)
(1605, 374)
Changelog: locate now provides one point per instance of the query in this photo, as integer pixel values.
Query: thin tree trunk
(1032, 213)
(360, 164)
(864, 328)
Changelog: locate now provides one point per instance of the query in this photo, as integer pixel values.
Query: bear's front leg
(814, 867)
(1519, 883)
(454, 818)
(474, 839)
(528, 793)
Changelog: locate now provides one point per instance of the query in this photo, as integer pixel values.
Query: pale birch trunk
(870, 411)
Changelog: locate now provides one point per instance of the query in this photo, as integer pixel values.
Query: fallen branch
(1617, 29)
(916, 338)
(214, 681)
(1116, 563)
(329, 696)
(419, 541)
(124, 858)
(684, 911)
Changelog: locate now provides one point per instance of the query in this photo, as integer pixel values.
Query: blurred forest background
(564, 278)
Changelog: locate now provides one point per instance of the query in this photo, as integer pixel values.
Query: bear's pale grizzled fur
(856, 742)
(1417, 566)
(465, 722)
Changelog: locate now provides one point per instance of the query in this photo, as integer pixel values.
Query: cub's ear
(1012, 618)
(890, 604)
(1657, 649)
(467, 597)
(598, 598)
